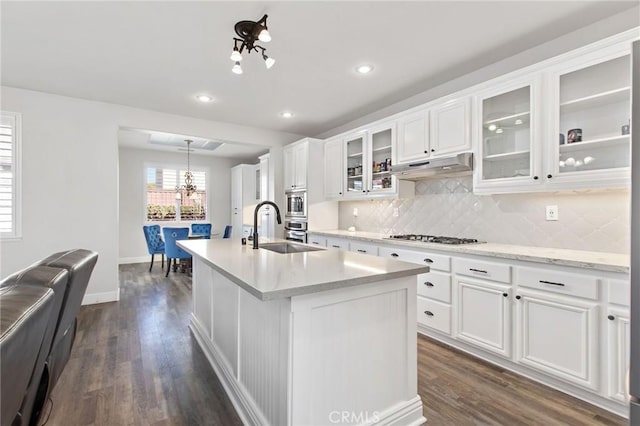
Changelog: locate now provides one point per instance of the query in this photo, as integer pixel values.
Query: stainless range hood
(457, 165)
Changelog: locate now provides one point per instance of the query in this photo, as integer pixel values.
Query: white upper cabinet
(333, 158)
(508, 124)
(413, 138)
(589, 136)
(295, 166)
(450, 127)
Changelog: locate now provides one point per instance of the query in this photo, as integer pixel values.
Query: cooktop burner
(434, 239)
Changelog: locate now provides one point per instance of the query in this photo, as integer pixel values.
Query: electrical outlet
(552, 212)
(396, 212)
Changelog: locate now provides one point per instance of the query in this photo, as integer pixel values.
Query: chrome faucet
(255, 220)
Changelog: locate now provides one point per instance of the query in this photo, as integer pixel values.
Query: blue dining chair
(227, 231)
(201, 229)
(155, 245)
(171, 235)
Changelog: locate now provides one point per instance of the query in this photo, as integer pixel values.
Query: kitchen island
(314, 338)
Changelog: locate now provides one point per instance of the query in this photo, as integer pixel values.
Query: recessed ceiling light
(204, 98)
(364, 69)
(286, 114)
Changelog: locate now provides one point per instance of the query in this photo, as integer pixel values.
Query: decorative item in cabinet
(594, 102)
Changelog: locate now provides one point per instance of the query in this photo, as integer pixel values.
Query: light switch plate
(552, 213)
(396, 212)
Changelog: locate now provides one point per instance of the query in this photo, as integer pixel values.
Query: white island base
(342, 356)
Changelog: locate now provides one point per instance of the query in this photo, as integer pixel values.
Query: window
(9, 174)
(164, 203)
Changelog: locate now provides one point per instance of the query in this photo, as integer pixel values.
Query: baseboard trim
(94, 298)
(248, 412)
(139, 259)
(408, 413)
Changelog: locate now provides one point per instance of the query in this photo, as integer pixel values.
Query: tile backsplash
(595, 221)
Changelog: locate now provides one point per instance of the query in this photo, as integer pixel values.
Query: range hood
(457, 165)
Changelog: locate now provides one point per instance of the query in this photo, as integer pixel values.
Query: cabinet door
(301, 158)
(590, 133)
(618, 335)
(378, 164)
(558, 335)
(289, 168)
(354, 155)
(413, 138)
(450, 127)
(333, 168)
(484, 315)
(507, 128)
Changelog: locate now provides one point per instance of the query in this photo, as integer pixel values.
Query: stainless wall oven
(296, 204)
(295, 229)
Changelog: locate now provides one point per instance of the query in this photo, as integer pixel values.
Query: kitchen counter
(269, 275)
(299, 338)
(610, 262)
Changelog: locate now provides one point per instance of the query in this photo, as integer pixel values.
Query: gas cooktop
(438, 239)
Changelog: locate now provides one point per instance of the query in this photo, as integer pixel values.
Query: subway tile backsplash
(594, 220)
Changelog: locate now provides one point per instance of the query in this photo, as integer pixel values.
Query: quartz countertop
(269, 275)
(601, 261)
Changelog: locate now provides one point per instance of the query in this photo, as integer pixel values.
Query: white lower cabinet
(558, 335)
(484, 315)
(434, 314)
(618, 353)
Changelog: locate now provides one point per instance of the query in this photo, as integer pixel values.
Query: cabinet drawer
(435, 285)
(363, 248)
(317, 240)
(435, 261)
(481, 269)
(558, 282)
(620, 292)
(337, 243)
(434, 315)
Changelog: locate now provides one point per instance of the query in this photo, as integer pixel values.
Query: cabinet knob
(518, 297)
(428, 313)
(611, 317)
(535, 178)
(339, 193)
(364, 190)
(428, 284)
(505, 294)
(549, 176)
(426, 152)
(433, 150)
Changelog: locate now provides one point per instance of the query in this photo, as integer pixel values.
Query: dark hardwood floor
(135, 363)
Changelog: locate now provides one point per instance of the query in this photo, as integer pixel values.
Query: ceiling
(161, 141)
(160, 55)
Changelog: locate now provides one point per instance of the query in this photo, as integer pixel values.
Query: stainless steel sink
(286, 248)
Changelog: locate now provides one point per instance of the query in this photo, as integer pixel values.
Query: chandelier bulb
(268, 62)
(264, 36)
(237, 69)
(235, 55)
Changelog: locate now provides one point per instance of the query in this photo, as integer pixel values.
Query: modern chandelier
(250, 32)
(188, 186)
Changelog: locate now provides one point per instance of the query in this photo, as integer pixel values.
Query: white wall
(132, 210)
(70, 176)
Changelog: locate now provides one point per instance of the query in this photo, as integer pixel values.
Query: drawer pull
(335, 246)
(394, 255)
(478, 270)
(505, 294)
(428, 284)
(611, 317)
(428, 313)
(427, 260)
(362, 251)
(552, 283)
(315, 242)
(518, 297)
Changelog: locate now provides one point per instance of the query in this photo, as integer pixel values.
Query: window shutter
(8, 175)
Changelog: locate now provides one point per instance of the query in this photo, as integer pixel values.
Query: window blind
(7, 174)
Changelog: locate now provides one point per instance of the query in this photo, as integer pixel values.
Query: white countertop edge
(299, 291)
(563, 257)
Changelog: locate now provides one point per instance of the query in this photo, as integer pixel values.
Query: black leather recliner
(67, 275)
(26, 312)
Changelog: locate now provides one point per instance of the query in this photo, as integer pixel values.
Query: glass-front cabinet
(509, 126)
(368, 162)
(590, 143)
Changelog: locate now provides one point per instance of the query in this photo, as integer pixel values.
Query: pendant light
(188, 186)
